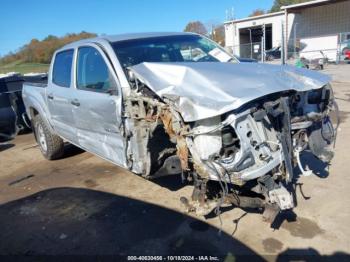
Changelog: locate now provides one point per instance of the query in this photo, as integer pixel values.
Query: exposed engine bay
(227, 146)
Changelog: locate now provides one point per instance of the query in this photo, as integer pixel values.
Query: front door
(97, 105)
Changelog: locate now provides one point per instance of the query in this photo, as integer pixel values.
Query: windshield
(178, 48)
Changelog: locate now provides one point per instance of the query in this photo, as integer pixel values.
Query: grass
(24, 68)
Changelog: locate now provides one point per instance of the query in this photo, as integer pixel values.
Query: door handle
(50, 97)
(114, 131)
(75, 102)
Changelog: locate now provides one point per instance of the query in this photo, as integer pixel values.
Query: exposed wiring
(218, 127)
(211, 165)
(336, 107)
(214, 129)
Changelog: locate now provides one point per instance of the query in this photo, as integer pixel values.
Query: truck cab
(83, 100)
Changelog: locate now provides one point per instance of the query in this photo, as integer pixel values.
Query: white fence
(330, 48)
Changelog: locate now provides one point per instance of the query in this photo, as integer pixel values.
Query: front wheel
(51, 145)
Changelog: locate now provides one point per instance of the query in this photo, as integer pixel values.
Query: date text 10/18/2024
(172, 258)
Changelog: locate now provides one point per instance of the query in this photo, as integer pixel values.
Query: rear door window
(62, 68)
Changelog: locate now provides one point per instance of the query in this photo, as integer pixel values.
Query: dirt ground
(84, 205)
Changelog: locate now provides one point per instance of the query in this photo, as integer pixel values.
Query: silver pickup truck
(163, 104)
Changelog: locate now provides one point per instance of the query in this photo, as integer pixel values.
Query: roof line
(283, 8)
(254, 17)
(304, 4)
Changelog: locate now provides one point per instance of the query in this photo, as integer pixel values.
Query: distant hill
(40, 52)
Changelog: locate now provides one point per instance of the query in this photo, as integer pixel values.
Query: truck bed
(34, 96)
(42, 85)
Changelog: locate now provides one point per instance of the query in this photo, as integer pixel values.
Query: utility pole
(295, 39)
(282, 45)
(263, 43)
(286, 36)
(231, 17)
(212, 32)
(251, 43)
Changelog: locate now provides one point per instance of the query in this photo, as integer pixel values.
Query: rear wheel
(51, 145)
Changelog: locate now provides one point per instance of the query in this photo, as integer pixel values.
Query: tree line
(216, 31)
(37, 51)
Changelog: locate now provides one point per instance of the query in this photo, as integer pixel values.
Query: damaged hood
(207, 89)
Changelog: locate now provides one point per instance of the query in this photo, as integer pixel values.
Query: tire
(51, 145)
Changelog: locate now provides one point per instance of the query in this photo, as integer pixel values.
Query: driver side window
(92, 71)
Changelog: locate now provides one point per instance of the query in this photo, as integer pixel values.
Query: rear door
(59, 95)
(97, 108)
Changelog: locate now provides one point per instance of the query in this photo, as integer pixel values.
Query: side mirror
(131, 76)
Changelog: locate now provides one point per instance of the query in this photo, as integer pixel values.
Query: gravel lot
(84, 205)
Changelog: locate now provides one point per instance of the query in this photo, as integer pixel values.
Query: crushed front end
(244, 157)
(258, 147)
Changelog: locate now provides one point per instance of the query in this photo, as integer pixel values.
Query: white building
(310, 26)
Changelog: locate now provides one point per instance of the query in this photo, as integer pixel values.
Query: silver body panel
(95, 124)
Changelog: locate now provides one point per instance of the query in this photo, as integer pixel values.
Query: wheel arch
(34, 111)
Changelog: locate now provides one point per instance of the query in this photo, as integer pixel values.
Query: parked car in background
(163, 104)
(13, 118)
(275, 53)
(345, 50)
(347, 55)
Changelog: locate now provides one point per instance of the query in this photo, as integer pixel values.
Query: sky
(23, 20)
